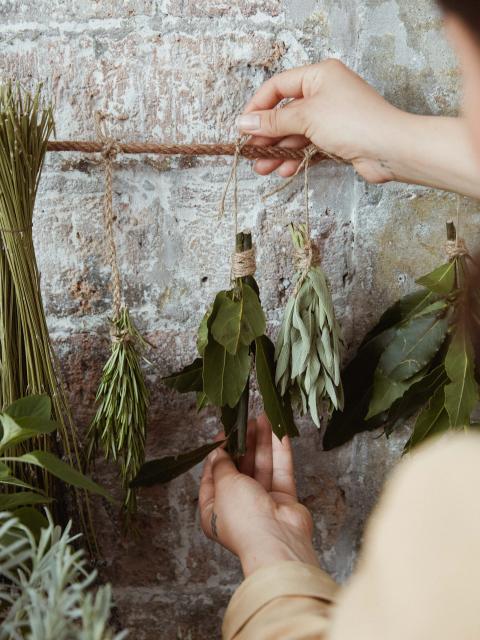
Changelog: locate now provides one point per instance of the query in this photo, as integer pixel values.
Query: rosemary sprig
(119, 425)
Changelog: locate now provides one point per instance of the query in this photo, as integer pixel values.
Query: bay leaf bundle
(120, 422)
(420, 356)
(308, 348)
(231, 343)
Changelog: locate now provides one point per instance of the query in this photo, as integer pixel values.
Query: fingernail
(248, 122)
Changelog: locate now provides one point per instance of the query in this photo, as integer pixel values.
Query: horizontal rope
(248, 151)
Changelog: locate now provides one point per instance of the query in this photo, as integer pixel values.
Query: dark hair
(469, 10)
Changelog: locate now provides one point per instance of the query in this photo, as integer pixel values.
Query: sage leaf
(188, 379)
(441, 280)
(170, 467)
(225, 375)
(461, 395)
(432, 420)
(278, 409)
(239, 322)
(414, 346)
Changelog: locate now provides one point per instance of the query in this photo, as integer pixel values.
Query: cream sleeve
(286, 601)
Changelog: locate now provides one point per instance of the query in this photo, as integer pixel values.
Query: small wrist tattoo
(213, 524)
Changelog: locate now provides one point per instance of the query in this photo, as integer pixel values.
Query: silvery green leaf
(297, 358)
(332, 392)
(285, 329)
(318, 280)
(329, 357)
(312, 371)
(312, 406)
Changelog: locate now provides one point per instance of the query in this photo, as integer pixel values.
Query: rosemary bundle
(231, 339)
(420, 355)
(27, 361)
(119, 425)
(308, 351)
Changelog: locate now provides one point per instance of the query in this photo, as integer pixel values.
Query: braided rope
(248, 150)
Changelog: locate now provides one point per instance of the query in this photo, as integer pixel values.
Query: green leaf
(188, 379)
(225, 375)
(32, 519)
(461, 395)
(202, 336)
(414, 346)
(387, 391)
(401, 311)
(278, 409)
(202, 400)
(38, 406)
(239, 322)
(61, 470)
(21, 499)
(21, 429)
(357, 380)
(415, 398)
(170, 467)
(441, 280)
(432, 420)
(435, 307)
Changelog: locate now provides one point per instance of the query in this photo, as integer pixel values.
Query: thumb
(223, 467)
(274, 123)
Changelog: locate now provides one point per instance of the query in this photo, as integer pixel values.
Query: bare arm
(342, 114)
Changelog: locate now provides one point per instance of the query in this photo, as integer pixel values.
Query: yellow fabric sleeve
(286, 601)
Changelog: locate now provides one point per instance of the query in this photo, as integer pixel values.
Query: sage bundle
(120, 422)
(231, 343)
(420, 356)
(27, 360)
(308, 349)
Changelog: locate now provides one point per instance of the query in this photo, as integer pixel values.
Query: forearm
(435, 152)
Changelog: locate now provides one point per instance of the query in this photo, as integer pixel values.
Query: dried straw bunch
(27, 361)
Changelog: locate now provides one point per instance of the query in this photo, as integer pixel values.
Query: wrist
(273, 552)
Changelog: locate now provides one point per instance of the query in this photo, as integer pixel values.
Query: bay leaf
(188, 379)
(415, 398)
(441, 280)
(386, 391)
(202, 335)
(239, 322)
(461, 394)
(413, 347)
(165, 469)
(278, 409)
(433, 419)
(225, 375)
(357, 384)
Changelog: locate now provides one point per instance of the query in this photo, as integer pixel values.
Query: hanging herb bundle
(27, 361)
(231, 341)
(420, 355)
(308, 349)
(119, 424)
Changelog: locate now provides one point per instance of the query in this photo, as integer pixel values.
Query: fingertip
(264, 167)
(288, 168)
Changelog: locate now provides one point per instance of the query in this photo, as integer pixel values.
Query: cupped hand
(332, 107)
(253, 511)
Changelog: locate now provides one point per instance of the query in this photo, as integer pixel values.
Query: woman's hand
(253, 511)
(335, 109)
(332, 107)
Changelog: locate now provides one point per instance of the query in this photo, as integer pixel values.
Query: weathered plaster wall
(180, 70)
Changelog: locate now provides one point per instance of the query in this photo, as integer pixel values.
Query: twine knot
(306, 257)
(121, 336)
(456, 248)
(110, 148)
(243, 263)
